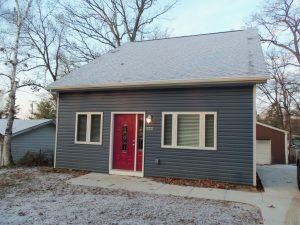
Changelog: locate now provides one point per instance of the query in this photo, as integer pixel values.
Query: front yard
(41, 196)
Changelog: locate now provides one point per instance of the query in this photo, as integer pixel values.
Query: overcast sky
(187, 18)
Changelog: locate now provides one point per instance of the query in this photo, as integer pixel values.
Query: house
(271, 145)
(29, 135)
(175, 107)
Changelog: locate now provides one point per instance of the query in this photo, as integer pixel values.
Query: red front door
(124, 141)
(128, 129)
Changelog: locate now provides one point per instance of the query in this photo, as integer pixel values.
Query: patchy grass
(6, 183)
(41, 196)
(76, 173)
(8, 179)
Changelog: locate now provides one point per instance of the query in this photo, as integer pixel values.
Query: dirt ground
(41, 196)
(211, 184)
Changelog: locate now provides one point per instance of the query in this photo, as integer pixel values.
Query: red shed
(271, 145)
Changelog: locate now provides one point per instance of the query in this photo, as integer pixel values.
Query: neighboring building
(29, 135)
(271, 145)
(176, 107)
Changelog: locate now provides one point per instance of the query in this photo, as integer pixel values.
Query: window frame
(88, 128)
(201, 129)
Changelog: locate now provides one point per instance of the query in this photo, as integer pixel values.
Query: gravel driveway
(40, 196)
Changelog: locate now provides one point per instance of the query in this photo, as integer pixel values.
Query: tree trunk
(7, 156)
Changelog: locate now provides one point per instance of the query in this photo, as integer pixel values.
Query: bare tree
(283, 89)
(279, 24)
(104, 24)
(2, 12)
(16, 20)
(46, 36)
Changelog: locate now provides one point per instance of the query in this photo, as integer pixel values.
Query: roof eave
(33, 127)
(272, 127)
(167, 83)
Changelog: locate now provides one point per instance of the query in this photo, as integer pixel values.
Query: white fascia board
(165, 83)
(271, 127)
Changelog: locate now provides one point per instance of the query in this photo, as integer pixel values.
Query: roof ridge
(193, 35)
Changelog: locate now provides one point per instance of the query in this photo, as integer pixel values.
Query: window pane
(168, 130)
(124, 137)
(188, 130)
(140, 133)
(81, 127)
(209, 130)
(95, 128)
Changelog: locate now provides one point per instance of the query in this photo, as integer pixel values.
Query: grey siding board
(232, 162)
(42, 138)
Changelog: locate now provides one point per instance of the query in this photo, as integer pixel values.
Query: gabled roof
(226, 57)
(22, 126)
(271, 127)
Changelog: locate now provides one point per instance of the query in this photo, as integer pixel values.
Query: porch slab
(117, 182)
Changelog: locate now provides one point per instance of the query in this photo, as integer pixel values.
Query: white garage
(263, 152)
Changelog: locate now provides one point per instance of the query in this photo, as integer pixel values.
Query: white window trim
(88, 128)
(201, 125)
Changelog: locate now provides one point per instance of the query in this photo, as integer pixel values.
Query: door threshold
(126, 173)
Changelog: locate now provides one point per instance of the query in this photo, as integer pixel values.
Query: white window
(189, 130)
(88, 128)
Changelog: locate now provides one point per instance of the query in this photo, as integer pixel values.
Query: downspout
(1, 158)
(286, 144)
(1, 150)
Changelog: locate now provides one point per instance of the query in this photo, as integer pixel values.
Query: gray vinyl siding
(232, 162)
(42, 138)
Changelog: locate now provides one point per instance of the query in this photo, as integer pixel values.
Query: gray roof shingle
(216, 56)
(23, 125)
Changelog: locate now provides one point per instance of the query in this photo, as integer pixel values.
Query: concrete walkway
(277, 203)
(281, 191)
